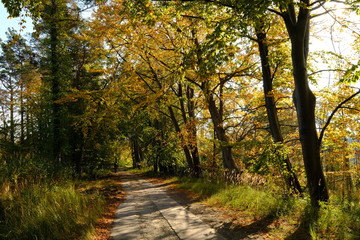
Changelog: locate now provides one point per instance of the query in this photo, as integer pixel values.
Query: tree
(268, 76)
(18, 72)
(298, 28)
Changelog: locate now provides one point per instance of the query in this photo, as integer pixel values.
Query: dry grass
(113, 195)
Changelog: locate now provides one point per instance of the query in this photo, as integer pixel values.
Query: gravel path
(149, 213)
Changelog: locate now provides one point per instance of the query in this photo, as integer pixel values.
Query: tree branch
(327, 70)
(332, 115)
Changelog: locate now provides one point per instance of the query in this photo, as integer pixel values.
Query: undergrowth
(258, 203)
(35, 203)
(144, 171)
(47, 211)
(335, 220)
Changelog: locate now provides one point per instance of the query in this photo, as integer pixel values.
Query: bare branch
(276, 12)
(333, 113)
(327, 70)
(319, 4)
(141, 76)
(292, 140)
(321, 14)
(350, 108)
(195, 17)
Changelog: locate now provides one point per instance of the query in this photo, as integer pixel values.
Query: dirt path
(150, 213)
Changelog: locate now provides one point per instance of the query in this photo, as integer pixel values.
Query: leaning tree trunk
(305, 101)
(290, 176)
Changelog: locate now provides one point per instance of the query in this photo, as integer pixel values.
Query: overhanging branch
(332, 115)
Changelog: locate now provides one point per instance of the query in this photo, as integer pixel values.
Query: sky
(6, 23)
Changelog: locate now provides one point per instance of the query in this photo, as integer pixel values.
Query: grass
(199, 186)
(255, 202)
(47, 211)
(335, 220)
(36, 203)
(110, 189)
(148, 171)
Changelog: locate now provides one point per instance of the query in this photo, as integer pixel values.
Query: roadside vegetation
(48, 211)
(293, 216)
(35, 205)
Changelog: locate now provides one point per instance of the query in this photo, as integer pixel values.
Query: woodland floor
(230, 224)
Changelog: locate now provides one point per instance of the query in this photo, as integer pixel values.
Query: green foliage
(332, 221)
(15, 7)
(259, 203)
(200, 186)
(355, 5)
(47, 211)
(352, 75)
(147, 171)
(97, 92)
(25, 170)
(271, 160)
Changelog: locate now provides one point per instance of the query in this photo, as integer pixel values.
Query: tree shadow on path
(258, 227)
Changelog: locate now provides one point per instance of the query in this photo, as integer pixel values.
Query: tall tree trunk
(182, 140)
(193, 131)
(22, 113)
(226, 148)
(190, 146)
(157, 144)
(136, 153)
(76, 109)
(305, 101)
(12, 119)
(55, 84)
(290, 176)
(77, 146)
(216, 115)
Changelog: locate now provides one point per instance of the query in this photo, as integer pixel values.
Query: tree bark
(55, 84)
(190, 148)
(193, 131)
(182, 140)
(290, 176)
(305, 101)
(226, 148)
(12, 119)
(136, 153)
